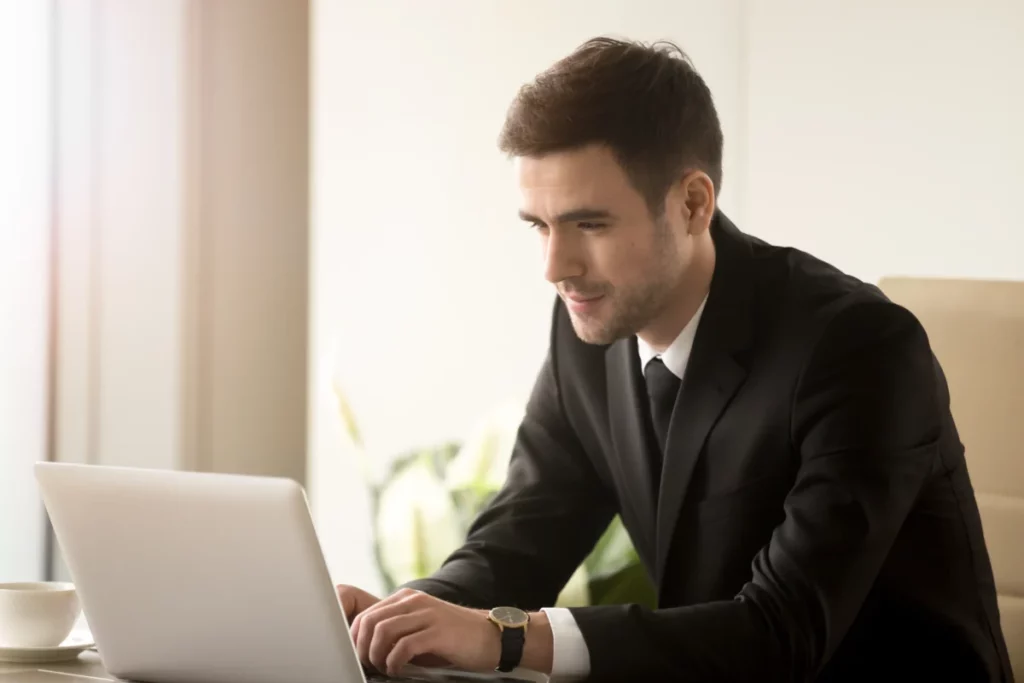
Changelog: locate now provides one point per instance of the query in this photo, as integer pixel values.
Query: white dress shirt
(570, 656)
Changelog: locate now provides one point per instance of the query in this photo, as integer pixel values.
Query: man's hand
(354, 601)
(413, 627)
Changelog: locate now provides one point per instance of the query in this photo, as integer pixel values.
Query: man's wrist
(539, 649)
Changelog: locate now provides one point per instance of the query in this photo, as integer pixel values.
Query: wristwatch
(512, 622)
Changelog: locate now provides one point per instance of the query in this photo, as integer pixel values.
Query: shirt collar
(676, 356)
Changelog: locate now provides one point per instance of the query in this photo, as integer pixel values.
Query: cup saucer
(73, 645)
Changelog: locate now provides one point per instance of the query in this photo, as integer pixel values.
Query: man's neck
(691, 293)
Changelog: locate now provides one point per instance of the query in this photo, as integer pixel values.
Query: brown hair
(647, 103)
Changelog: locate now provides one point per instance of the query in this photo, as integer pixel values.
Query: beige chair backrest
(976, 329)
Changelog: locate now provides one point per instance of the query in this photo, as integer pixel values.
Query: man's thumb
(348, 602)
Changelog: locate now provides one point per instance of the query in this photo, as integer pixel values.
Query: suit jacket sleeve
(866, 422)
(549, 514)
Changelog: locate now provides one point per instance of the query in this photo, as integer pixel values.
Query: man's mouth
(578, 298)
(580, 303)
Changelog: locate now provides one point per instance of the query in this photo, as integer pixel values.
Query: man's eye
(584, 225)
(538, 226)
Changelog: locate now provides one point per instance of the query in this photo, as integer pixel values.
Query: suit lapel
(714, 373)
(628, 426)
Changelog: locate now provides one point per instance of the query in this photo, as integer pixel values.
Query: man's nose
(561, 258)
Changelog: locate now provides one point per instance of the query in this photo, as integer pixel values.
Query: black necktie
(662, 388)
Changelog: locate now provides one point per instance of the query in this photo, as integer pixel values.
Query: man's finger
(389, 631)
(355, 624)
(402, 595)
(354, 628)
(353, 600)
(413, 645)
(363, 633)
(408, 599)
(368, 621)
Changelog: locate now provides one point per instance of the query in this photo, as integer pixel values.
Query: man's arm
(866, 420)
(549, 514)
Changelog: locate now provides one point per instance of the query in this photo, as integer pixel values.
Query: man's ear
(698, 195)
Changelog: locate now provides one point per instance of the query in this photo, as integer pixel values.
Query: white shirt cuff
(570, 656)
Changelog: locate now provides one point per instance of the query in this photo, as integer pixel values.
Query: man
(776, 435)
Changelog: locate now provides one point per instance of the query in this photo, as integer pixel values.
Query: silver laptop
(194, 577)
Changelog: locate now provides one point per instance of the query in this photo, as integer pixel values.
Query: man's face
(614, 264)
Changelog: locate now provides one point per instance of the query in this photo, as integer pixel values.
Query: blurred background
(276, 236)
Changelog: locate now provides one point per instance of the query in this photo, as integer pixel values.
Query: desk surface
(87, 664)
(87, 667)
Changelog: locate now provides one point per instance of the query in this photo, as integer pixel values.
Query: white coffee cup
(37, 614)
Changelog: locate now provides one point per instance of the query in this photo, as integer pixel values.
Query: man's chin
(591, 331)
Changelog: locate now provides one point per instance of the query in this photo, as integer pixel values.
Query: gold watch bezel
(509, 617)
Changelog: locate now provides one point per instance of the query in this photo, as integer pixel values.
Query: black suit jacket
(814, 521)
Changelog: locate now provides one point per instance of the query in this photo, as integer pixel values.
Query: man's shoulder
(796, 286)
(800, 301)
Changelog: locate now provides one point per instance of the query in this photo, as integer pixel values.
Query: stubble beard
(630, 311)
(633, 308)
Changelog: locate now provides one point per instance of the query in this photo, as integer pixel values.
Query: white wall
(881, 136)
(887, 137)
(25, 232)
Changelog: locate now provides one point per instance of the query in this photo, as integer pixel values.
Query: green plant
(426, 499)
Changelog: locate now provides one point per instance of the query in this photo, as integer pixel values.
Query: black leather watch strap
(512, 641)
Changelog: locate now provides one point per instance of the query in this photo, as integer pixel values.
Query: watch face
(510, 617)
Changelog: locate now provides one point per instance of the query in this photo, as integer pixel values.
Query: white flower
(417, 523)
(481, 464)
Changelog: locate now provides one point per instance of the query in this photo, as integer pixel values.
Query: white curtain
(25, 225)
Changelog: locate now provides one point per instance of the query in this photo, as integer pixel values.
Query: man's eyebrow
(581, 214)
